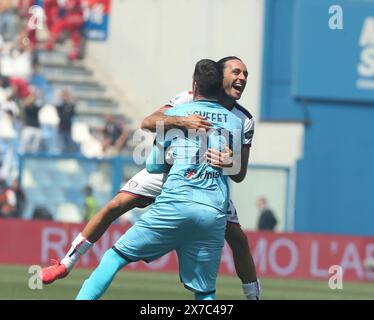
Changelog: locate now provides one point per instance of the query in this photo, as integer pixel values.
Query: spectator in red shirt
(51, 10)
(20, 87)
(72, 21)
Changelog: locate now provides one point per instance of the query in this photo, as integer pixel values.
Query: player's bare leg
(101, 221)
(92, 232)
(243, 260)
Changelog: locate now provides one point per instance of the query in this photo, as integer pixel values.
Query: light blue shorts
(195, 231)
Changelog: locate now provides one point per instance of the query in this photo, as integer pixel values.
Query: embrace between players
(191, 216)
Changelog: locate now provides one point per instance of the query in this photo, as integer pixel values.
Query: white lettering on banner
(351, 260)
(314, 270)
(294, 260)
(350, 254)
(227, 258)
(367, 33)
(334, 247)
(259, 255)
(366, 66)
(365, 84)
(48, 245)
(94, 13)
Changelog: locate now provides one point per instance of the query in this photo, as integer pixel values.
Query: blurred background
(77, 77)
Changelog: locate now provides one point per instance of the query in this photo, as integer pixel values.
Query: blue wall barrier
(319, 74)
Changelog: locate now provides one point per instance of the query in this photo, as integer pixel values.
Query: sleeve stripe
(245, 111)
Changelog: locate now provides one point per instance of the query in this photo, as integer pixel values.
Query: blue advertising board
(96, 14)
(334, 50)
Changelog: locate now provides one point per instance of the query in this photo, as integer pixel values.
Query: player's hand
(194, 121)
(220, 159)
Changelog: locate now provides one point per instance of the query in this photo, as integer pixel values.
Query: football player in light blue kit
(189, 216)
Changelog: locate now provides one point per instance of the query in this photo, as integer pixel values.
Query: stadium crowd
(34, 116)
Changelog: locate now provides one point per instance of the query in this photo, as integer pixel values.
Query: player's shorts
(175, 225)
(149, 186)
(145, 185)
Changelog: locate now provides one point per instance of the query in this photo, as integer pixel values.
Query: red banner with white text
(287, 255)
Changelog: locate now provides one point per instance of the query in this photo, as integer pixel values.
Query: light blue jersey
(191, 178)
(189, 216)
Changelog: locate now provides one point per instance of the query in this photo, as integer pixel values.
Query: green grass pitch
(131, 285)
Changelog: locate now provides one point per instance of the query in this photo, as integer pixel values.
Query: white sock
(79, 247)
(252, 290)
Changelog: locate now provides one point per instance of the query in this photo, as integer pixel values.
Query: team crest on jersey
(190, 173)
(133, 184)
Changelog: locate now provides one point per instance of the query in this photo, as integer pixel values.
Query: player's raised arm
(194, 121)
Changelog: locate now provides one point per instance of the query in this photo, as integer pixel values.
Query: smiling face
(234, 78)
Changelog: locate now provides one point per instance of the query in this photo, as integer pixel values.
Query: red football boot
(54, 272)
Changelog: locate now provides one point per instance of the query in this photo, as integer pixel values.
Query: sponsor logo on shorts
(133, 184)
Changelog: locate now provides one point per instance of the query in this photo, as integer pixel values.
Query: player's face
(234, 78)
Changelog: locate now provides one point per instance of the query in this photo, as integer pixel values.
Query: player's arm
(247, 137)
(194, 121)
(243, 165)
(223, 159)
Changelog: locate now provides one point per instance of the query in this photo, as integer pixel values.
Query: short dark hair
(222, 61)
(208, 77)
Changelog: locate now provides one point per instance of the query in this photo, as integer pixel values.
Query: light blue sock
(95, 286)
(205, 296)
